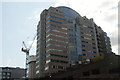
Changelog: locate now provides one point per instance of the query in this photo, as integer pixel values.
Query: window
(58, 55)
(73, 52)
(47, 67)
(48, 30)
(48, 55)
(83, 45)
(37, 61)
(37, 71)
(56, 40)
(56, 45)
(88, 34)
(94, 51)
(57, 67)
(84, 54)
(8, 77)
(55, 21)
(94, 47)
(54, 66)
(48, 40)
(59, 61)
(60, 67)
(84, 26)
(4, 73)
(4, 77)
(89, 55)
(55, 35)
(71, 29)
(55, 30)
(37, 66)
(83, 50)
(8, 73)
(56, 17)
(64, 28)
(57, 14)
(47, 61)
(90, 51)
(87, 38)
(61, 51)
(90, 27)
(52, 25)
(93, 43)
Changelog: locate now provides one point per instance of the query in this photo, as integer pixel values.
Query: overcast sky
(20, 18)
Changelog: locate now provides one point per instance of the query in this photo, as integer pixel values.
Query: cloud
(111, 18)
(27, 0)
(35, 15)
(114, 40)
(33, 48)
(116, 49)
(34, 43)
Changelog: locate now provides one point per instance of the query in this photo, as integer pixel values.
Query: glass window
(47, 61)
(4, 73)
(8, 73)
(84, 26)
(54, 67)
(93, 43)
(56, 17)
(47, 67)
(55, 21)
(47, 55)
(84, 54)
(37, 66)
(83, 45)
(60, 67)
(94, 47)
(83, 50)
(4, 77)
(58, 14)
(90, 27)
(94, 51)
(37, 71)
(66, 11)
(87, 38)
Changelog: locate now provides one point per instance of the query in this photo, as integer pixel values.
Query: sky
(19, 19)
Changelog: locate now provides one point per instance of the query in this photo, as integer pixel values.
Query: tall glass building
(64, 37)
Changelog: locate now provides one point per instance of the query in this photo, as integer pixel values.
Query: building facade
(31, 66)
(64, 37)
(107, 68)
(12, 73)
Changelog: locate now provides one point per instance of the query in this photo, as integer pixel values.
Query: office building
(64, 37)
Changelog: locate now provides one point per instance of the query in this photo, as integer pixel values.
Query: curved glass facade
(72, 14)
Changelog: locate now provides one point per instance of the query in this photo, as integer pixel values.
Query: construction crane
(26, 50)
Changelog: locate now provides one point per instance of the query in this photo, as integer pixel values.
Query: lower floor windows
(57, 61)
(57, 67)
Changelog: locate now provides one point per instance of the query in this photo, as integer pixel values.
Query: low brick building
(12, 73)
